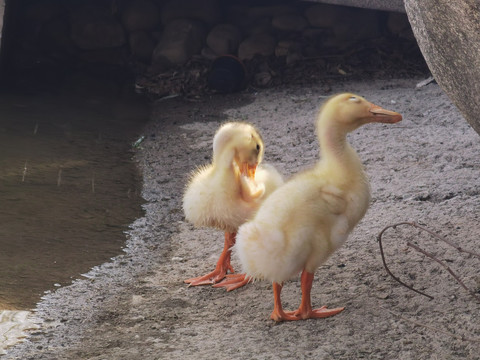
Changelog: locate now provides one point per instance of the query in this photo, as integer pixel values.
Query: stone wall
(153, 36)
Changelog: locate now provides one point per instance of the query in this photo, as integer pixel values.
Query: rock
(398, 25)
(289, 22)
(141, 15)
(206, 11)
(40, 12)
(259, 26)
(448, 33)
(384, 5)
(108, 56)
(282, 48)
(208, 53)
(262, 44)
(224, 39)
(107, 33)
(262, 79)
(55, 39)
(141, 45)
(180, 40)
(322, 15)
(270, 11)
(287, 47)
(357, 24)
(94, 27)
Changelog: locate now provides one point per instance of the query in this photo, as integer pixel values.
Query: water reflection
(68, 189)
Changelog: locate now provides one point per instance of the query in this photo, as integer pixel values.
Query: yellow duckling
(227, 192)
(304, 221)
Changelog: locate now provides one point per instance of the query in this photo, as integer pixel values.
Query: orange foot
(305, 310)
(322, 312)
(234, 281)
(213, 277)
(223, 265)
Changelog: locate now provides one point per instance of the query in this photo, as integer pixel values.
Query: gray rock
(141, 15)
(323, 16)
(270, 11)
(206, 11)
(399, 25)
(357, 24)
(262, 44)
(224, 39)
(108, 56)
(40, 12)
(180, 40)
(385, 5)
(448, 33)
(141, 45)
(289, 22)
(348, 24)
(93, 27)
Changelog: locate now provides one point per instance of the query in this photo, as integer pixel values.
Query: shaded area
(68, 189)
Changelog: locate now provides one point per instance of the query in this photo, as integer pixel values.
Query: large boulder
(224, 39)
(180, 40)
(448, 33)
(386, 5)
(141, 15)
(94, 27)
(261, 44)
(206, 11)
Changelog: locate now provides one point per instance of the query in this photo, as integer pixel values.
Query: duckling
(304, 221)
(227, 192)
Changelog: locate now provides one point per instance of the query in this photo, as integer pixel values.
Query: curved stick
(417, 248)
(379, 239)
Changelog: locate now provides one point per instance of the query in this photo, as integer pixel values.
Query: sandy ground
(424, 169)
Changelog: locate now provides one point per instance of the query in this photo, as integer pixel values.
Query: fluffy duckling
(227, 192)
(304, 221)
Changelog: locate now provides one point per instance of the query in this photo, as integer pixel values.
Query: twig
(417, 248)
(445, 266)
(379, 239)
(459, 337)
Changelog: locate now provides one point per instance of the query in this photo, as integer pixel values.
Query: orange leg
(278, 314)
(234, 281)
(223, 265)
(305, 310)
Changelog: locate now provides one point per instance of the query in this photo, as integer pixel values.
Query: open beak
(249, 170)
(382, 115)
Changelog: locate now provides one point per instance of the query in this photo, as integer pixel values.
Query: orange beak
(382, 115)
(249, 170)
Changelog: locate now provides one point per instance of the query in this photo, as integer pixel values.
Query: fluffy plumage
(227, 192)
(304, 221)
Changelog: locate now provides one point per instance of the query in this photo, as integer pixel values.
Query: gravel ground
(424, 169)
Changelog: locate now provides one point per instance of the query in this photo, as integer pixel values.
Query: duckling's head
(239, 143)
(351, 111)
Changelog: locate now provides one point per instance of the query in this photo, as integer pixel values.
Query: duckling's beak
(382, 115)
(248, 170)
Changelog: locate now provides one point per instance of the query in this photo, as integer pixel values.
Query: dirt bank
(424, 169)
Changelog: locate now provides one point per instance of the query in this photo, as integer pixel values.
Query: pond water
(68, 189)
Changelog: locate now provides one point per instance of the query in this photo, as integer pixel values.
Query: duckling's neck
(224, 161)
(337, 154)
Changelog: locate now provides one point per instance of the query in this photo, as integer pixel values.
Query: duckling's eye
(258, 147)
(354, 99)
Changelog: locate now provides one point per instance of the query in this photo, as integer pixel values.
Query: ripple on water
(68, 191)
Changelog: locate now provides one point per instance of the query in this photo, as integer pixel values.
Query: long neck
(224, 159)
(337, 155)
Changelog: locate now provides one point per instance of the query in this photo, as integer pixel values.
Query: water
(68, 189)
